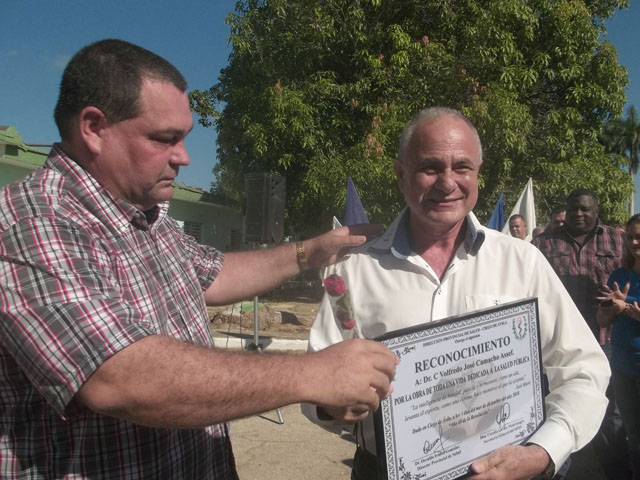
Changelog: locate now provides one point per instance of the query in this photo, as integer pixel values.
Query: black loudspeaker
(264, 207)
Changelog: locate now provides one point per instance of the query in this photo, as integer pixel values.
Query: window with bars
(194, 229)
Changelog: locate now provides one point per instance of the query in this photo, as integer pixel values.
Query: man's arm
(578, 374)
(162, 382)
(246, 274)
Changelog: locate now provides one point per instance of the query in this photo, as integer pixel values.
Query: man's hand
(511, 463)
(344, 415)
(329, 247)
(355, 373)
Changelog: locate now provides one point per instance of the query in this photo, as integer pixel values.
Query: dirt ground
(287, 312)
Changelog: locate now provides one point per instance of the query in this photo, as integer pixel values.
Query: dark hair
(558, 209)
(627, 259)
(580, 192)
(108, 75)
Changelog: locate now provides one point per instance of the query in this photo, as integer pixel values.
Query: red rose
(335, 285)
(346, 320)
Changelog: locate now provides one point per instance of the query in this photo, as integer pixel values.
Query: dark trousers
(365, 466)
(605, 457)
(610, 442)
(627, 393)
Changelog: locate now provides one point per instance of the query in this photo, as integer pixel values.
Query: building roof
(14, 151)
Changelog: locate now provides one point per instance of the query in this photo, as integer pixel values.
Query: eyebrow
(173, 131)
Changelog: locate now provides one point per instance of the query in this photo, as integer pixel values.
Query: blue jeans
(627, 394)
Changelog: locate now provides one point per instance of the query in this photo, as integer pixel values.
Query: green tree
(318, 90)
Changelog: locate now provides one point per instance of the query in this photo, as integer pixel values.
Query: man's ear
(398, 168)
(91, 125)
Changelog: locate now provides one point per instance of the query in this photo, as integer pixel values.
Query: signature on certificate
(503, 414)
(436, 444)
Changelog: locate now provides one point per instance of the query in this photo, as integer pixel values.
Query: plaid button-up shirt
(82, 276)
(583, 268)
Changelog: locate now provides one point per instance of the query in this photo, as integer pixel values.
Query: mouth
(444, 203)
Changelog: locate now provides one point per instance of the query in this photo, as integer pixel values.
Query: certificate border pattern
(395, 466)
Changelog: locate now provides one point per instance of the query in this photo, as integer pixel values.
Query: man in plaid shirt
(106, 362)
(583, 252)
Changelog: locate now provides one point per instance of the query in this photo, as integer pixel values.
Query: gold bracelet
(301, 256)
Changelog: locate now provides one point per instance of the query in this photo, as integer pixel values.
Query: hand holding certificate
(464, 388)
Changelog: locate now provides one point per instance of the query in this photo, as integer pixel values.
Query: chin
(164, 195)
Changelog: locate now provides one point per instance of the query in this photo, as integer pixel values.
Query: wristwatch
(549, 471)
(301, 256)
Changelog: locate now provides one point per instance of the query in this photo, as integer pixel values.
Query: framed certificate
(465, 386)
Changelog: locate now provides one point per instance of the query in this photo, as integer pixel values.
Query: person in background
(107, 366)
(584, 252)
(537, 231)
(518, 227)
(619, 309)
(558, 216)
(435, 261)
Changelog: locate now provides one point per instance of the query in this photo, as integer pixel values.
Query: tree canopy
(319, 90)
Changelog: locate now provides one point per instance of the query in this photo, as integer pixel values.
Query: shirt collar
(396, 237)
(597, 230)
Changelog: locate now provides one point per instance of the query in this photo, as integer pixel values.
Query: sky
(39, 37)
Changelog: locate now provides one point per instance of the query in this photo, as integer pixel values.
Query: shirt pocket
(560, 261)
(479, 302)
(606, 262)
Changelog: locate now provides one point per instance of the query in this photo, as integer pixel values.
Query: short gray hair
(429, 115)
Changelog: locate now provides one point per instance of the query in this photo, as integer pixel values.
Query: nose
(446, 181)
(179, 156)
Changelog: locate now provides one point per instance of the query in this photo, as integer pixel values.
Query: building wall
(210, 224)
(11, 173)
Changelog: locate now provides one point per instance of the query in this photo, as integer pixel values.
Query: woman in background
(619, 309)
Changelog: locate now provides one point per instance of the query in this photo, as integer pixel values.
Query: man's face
(557, 219)
(439, 176)
(582, 215)
(518, 228)
(140, 157)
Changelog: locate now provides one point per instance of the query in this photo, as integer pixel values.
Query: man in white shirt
(436, 261)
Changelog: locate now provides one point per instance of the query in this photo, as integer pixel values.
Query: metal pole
(256, 324)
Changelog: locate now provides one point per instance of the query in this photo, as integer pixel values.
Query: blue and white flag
(353, 209)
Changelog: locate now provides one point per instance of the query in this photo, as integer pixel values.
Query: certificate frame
(476, 404)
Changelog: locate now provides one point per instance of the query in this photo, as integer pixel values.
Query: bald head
(430, 115)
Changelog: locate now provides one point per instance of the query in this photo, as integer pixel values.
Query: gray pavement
(296, 450)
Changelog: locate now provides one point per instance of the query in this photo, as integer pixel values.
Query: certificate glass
(465, 386)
